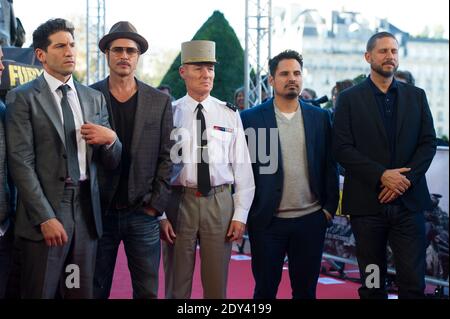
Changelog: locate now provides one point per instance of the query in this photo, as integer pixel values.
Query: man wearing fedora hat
(213, 156)
(136, 193)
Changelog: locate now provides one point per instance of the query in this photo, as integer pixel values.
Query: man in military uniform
(214, 156)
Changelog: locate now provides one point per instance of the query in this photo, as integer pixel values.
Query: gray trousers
(43, 268)
(205, 219)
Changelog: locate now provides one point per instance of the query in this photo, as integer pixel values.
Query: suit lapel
(104, 88)
(50, 107)
(87, 109)
(144, 99)
(268, 114)
(310, 136)
(84, 100)
(402, 109)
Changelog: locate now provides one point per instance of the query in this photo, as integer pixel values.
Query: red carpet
(240, 283)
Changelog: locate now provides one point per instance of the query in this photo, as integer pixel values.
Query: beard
(291, 95)
(379, 69)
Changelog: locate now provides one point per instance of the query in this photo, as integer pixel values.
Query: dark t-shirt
(123, 115)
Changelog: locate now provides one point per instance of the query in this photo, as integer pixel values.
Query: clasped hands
(393, 184)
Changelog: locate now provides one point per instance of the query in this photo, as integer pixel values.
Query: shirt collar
(192, 104)
(392, 88)
(54, 83)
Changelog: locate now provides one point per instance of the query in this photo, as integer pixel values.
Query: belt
(125, 208)
(196, 193)
(69, 183)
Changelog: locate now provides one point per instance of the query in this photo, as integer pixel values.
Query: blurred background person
(166, 89)
(308, 94)
(239, 98)
(405, 77)
(338, 88)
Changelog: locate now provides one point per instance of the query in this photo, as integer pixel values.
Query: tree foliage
(229, 53)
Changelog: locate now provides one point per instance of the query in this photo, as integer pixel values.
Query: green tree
(360, 78)
(229, 54)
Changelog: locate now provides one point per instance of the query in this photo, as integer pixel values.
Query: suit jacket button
(62, 179)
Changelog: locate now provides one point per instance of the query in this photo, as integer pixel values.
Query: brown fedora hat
(120, 30)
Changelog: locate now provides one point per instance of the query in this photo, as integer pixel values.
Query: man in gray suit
(136, 193)
(57, 134)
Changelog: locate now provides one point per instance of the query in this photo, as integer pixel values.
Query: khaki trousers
(207, 220)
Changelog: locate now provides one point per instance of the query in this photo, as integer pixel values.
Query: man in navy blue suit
(385, 139)
(296, 183)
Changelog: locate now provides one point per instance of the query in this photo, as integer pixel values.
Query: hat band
(198, 60)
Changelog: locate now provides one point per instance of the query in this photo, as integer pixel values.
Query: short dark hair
(405, 75)
(285, 55)
(373, 39)
(45, 30)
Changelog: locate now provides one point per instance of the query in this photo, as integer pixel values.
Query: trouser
(206, 219)
(140, 235)
(66, 271)
(302, 239)
(404, 230)
(6, 252)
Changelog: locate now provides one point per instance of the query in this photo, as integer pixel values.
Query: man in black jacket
(136, 193)
(385, 139)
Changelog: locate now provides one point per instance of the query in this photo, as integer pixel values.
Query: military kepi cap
(123, 29)
(198, 51)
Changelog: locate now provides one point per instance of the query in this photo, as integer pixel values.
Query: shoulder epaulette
(231, 106)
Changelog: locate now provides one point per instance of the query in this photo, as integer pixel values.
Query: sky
(167, 23)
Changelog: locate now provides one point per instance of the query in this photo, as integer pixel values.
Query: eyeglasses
(119, 51)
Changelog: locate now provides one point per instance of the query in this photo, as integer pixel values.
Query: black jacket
(361, 146)
(151, 167)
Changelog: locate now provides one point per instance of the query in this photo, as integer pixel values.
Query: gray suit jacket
(151, 167)
(36, 151)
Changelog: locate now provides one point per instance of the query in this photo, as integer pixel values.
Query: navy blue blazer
(322, 169)
(360, 145)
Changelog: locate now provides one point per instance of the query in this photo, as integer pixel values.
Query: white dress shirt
(229, 159)
(72, 96)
